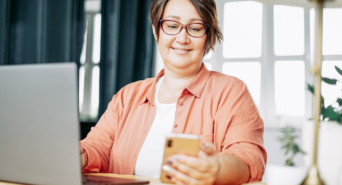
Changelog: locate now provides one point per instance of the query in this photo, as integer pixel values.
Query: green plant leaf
(289, 145)
(330, 113)
(330, 81)
(339, 101)
(289, 162)
(339, 119)
(338, 70)
(310, 88)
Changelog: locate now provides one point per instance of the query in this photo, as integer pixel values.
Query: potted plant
(289, 145)
(289, 172)
(330, 135)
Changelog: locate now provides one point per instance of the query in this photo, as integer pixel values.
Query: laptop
(39, 126)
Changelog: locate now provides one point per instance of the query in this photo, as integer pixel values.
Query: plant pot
(285, 175)
(329, 155)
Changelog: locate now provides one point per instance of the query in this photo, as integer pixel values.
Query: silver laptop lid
(39, 127)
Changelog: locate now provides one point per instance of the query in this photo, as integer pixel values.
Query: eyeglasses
(196, 30)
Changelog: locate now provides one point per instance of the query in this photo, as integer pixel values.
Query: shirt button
(181, 103)
(175, 125)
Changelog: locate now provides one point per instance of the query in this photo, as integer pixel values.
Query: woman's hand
(83, 158)
(183, 169)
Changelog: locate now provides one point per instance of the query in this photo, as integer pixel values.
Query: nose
(183, 37)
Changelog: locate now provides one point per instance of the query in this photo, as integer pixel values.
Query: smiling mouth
(181, 51)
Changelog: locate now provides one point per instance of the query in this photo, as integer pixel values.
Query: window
(288, 87)
(332, 29)
(329, 92)
(242, 36)
(269, 47)
(332, 52)
(288, 60)
(89, 73)
(288, 30)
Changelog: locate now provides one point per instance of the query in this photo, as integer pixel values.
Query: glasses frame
(183, 26)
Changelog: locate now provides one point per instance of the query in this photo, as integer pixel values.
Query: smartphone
(177, 143)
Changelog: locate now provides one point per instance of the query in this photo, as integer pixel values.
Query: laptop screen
(39, 127)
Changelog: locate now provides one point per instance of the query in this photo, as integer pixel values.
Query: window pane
(83, 54)
(288, 30)
(159, 61)
(289, 88)
(97, 38)
(95, 92)
(249, 72)
(242, 29)
(331, 92)
(312, 36)
(208, 55)
(81, 88)
(332, 31)
(208, 66)
(84, 49)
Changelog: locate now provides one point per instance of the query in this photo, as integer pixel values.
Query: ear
(154, 32)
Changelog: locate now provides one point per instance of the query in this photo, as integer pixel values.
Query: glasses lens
(171, 27)
(196, 30)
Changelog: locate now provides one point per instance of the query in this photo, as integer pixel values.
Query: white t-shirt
(150, 157)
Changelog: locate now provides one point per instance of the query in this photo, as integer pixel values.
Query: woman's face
(181, 52)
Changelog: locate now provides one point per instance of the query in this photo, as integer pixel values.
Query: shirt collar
(152, 90)
(196, 86)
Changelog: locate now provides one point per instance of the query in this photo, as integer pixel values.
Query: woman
(183, 98)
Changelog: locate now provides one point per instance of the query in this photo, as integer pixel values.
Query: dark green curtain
(41, 31)
(127, 46)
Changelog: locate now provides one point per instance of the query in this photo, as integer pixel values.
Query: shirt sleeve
(241, 129)
(99, 141)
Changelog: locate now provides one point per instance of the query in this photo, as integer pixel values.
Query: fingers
(83, 161)
(83, 158)
(193, 163)
(82, 150)
(192, 170)
(185, 165)
(181, 178)
(207, 158)
(183, 169)
(208, 148)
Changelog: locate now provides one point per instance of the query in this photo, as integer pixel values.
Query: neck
(180, 79)
(173, 85)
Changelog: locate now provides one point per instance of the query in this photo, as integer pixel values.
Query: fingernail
(206, 145)
(176, 157)
(168, 176)
(168, 161)
(167, 168)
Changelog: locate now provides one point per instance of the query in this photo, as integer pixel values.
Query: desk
(153, 181)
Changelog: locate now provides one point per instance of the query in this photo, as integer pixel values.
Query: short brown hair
(207, 11)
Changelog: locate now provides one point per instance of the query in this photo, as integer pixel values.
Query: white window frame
(92, 8)
(267, 61)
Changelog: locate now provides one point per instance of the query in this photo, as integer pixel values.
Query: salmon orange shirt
(216, 106)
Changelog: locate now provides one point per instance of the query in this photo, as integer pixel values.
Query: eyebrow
(176, 17)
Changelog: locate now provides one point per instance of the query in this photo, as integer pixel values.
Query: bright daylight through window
(269, 47)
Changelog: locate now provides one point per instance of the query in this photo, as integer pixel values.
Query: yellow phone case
(188, 144)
